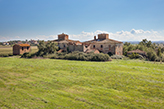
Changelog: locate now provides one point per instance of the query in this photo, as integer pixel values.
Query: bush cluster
(73, 56)
(6, 55)
(117, 56)
(154, 52)
(87, 57)
(135, 56)
(28, 55)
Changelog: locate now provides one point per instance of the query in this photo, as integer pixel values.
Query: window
(27, 48)
(22, 48)
(64, 46)
(101, 46)
(93, 46)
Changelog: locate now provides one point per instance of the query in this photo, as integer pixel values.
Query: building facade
(102, 44)
(105, 45)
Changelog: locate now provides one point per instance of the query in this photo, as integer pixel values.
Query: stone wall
(62, 37)
(119, 49)
(24, 50)
(106, 47)
(103, 36)
(63, 46)
(76, 48)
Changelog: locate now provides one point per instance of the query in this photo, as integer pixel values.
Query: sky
(123, 20)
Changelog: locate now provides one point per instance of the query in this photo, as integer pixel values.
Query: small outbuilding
(143, 53)
(21, 48)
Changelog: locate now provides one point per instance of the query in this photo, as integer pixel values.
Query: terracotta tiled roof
(102, 41)
(136, 51)
(24, 45)
(68, 41)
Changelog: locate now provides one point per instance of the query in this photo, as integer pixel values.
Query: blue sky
(81, 19)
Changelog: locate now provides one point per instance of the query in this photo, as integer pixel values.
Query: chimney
(94, 37)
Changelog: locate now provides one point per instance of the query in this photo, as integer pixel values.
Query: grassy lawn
(9, 50)
(50, 83)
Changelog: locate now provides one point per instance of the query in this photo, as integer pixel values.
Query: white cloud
(7, 38)
(83, 36)
(133, 31)
(17, 37)
(44, 37)
(132, 35)
(3, 38)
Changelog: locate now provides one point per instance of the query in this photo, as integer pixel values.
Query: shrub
(117, 57)
(28, 55)
(87, 57)
(10, 54)
(162, 58)
(40, 53)
(5, 55)
(152, 56)
(76, 56)
(158, 59)
(110, 54)
(140, 57)
(51, 56)
(71, 56)
(135, 56)
(100, 57)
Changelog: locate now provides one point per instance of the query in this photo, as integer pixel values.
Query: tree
(51, 47)
(159, 52)
(125, 50)
(144, 42)
(162, 50)
(149, 43)
(152, 56)
(41, 46)
(141, 47)
(130, 48)
(127, 44)
(47, 47)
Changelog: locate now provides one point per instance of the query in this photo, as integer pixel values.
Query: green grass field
(50, 83)
(9, 50)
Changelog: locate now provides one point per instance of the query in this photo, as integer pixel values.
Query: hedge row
(6, 55)
(73, 56)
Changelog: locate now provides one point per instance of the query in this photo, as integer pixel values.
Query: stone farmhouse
(101, 44)
(21, 48)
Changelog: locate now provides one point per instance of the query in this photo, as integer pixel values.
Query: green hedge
(71, 56)
(6, 55)
(117, 56)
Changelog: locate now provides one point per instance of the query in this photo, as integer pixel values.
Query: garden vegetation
(154, 53)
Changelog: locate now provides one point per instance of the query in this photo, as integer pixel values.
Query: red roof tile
(24, 45)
